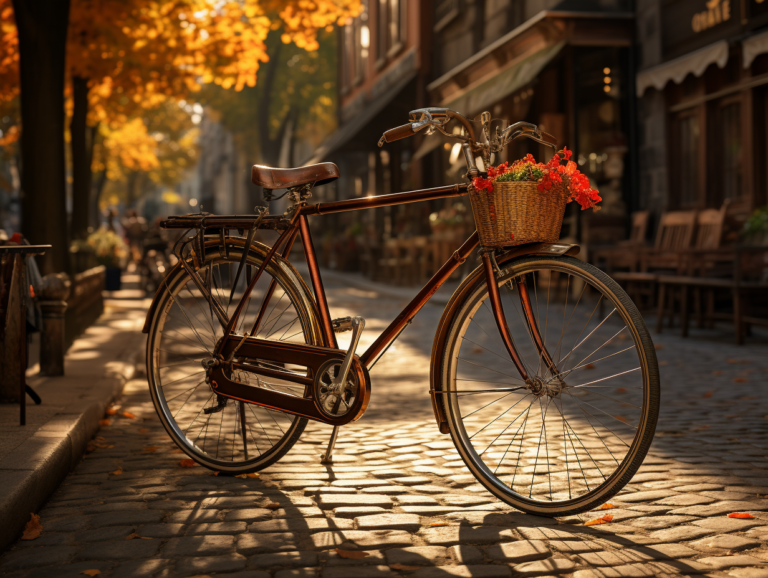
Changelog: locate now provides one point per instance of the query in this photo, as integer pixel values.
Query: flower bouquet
(525, 202)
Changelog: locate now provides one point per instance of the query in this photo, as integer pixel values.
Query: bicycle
(552, 422)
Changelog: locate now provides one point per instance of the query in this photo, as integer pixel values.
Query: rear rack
(209, 221)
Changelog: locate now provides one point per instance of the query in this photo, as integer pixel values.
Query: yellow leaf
(128, 414)
(607, 506)
(118, 471)
(604, 520)
(273, 506)
(33, 529)
(92, 572)
(436, 524)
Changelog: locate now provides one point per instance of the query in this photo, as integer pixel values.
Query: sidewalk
(35, 458)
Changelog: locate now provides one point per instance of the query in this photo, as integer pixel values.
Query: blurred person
(135, 227)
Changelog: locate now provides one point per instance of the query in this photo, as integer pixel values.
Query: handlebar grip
(398, 133)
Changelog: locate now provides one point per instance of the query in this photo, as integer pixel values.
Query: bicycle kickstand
(327, 457)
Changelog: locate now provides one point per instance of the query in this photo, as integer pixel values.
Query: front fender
(466, 287)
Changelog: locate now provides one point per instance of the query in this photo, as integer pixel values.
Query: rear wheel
(569, 439)
(220, 433)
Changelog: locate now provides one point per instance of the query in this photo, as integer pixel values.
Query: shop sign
(688, 25)
(716, 12)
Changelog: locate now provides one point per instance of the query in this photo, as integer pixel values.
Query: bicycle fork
(530, 320)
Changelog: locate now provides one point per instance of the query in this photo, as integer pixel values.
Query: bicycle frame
(298, 226)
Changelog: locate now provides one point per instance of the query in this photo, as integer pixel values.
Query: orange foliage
(136, 53)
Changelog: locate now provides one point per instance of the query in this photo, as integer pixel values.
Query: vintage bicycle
(542, 369)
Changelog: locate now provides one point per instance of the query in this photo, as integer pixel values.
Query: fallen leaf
(104, 422)
(187, 463)
(760, 496)
(92, 572)
(351, 554)
(477, 349)
(621, 390)
(33, 529)
(437, 524)
(134, 536)
(604, 520)
(149, 450)
(658, 346)
(607, 506)
(251, 475)
(741, 515)
(739, 380)
(143, 430)
(273, 506)
(589, 366)
(128, 414)
(717, 372)
(621, 418)
(118, 471)
(403, 567)
(710, 393)
(111, 411)
(215, 473)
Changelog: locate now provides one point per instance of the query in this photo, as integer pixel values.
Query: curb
(33, 471)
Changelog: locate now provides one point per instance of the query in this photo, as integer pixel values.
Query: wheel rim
(240, 436)
(545, 444)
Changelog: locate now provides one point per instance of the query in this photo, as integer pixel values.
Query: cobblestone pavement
(399, 496)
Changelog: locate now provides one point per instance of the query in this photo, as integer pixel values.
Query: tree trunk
(270, 148)
(82, 155)
(42, 27)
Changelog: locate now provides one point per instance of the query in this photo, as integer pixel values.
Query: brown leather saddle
(272, 178)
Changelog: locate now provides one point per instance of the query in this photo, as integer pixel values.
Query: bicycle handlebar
(398, 133)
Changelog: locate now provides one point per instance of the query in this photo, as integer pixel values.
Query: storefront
(703, 106)
(570, 73)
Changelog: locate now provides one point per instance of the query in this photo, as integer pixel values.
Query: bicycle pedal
(343, 324)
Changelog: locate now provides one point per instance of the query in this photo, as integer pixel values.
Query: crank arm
(358, 324)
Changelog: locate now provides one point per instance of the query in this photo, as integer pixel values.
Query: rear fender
(450, 311)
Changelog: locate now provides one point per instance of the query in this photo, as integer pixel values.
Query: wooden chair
(674, 236)
(624, 255)
(708, 236)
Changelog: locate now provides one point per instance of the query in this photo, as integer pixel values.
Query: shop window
(730, 157)
(391, 27)
(357, 39)
(687, 170)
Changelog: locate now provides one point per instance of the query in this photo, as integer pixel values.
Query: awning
(753, 47)
(484, 93)
(353, 126)
(694, 63)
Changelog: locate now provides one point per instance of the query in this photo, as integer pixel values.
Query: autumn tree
(293, 98)
(124, 54)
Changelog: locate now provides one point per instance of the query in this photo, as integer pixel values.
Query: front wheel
(572, 436)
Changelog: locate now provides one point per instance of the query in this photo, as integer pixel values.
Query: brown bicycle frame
(298, 226)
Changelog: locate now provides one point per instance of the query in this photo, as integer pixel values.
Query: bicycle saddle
(272, 178)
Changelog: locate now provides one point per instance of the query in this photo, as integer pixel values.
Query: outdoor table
(19, 253)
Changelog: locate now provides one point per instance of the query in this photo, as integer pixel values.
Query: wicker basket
(516, 212)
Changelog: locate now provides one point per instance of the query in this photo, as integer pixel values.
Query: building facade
(702, 93)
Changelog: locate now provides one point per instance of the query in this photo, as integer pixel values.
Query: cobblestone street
(398, 500)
